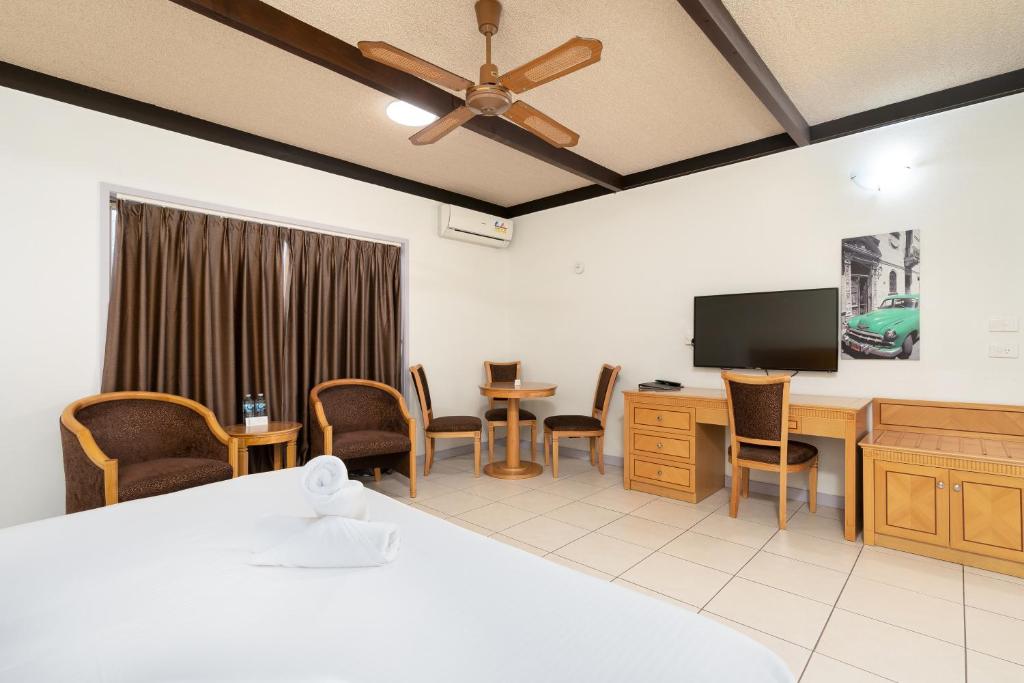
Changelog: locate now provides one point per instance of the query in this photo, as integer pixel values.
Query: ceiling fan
(492, 96)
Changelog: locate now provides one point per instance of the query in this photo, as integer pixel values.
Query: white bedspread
(161, 590)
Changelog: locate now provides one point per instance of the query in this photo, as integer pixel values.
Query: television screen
(794, 330)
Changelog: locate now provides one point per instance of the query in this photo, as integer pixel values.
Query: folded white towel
(329, 542)
(328, 490)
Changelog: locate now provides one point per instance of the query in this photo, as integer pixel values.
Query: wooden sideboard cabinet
(947, 480)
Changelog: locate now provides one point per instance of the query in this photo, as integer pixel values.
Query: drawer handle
(941, 485)
(659, 444)
(658, 418)
(659, 473)
(956, 487)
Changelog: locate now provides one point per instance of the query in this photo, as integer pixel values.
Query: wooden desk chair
(582, 426)
(759, 438)
(450, 427)
(497, 408)
(126, 445)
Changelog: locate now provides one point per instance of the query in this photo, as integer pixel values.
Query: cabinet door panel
(987, 515)
(912, 502)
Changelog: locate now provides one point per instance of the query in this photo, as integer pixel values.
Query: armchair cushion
(359, 444)
(166, 475)
(455, 423)
(573, 423)
(501, 415)
(797, 453)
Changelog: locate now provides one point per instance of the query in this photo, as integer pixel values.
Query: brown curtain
(214, 308)
(343, 314)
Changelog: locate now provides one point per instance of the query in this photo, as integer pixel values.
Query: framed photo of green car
(881, 296)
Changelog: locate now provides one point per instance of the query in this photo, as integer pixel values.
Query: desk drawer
(664, 417)
(681, 477)
(663, 445)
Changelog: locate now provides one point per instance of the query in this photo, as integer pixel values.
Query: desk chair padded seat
(501, 415)
(455, 423)
(560, 423)
(798, 453)
(126, 445)
(364, 423)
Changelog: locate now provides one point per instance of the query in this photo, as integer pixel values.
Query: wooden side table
(276, 434)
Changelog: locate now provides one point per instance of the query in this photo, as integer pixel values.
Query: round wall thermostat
(578, 268)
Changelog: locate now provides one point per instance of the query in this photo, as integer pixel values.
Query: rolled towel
(332, 542)
(327, 488)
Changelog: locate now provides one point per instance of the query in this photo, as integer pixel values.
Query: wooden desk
(275, 433)
(513, 468)
(689, 425)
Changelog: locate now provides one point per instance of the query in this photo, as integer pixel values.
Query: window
(892, 281)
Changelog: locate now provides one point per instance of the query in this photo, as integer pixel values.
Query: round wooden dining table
(512, 467)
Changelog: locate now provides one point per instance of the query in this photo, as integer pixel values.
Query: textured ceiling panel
(836, 58)
(158, 52)
(660, 93)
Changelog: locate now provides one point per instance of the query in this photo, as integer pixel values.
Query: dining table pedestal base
(501, 470)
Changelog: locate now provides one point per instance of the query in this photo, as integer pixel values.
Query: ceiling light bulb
(407, 115)
(885, 174)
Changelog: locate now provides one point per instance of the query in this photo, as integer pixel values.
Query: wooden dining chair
(583, 426)
(497, 408)
(759, 438)
(449, 427)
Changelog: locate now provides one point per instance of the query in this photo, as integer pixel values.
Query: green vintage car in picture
(889, 331)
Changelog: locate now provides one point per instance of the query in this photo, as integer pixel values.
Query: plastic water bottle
(248, 407)
(261, 405)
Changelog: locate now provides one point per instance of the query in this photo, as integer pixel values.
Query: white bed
(160, 590)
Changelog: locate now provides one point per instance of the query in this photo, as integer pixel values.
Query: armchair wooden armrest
(88, 445)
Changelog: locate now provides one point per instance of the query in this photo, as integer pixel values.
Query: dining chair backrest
(603, 395)
(419, 378)
(758, 408)
(501, 372)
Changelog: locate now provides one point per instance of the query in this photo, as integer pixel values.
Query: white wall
(777, 223)
(53, 158)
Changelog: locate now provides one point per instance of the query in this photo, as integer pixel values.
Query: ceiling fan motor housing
(488, 99)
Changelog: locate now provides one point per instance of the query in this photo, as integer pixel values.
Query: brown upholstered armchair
(126, 445)
(366, 424)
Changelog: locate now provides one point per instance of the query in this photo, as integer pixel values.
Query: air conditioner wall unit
(466, 225)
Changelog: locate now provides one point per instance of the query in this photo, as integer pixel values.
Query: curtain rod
(114, 196)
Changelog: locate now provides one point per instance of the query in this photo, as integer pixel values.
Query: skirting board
(824, 499)
(524, 450)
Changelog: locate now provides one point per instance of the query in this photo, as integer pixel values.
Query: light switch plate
(1004, 324)
(1003, 350)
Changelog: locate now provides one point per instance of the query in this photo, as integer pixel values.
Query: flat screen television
(791, 330)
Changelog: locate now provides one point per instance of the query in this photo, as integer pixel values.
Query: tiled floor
(834, 610)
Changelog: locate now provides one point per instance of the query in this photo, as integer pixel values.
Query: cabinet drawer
(663, 445)
(667, 474)
(663, 417)
(794, 424)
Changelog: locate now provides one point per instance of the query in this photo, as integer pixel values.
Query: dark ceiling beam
(990, 88)
(284, 31)
(35, 83)
(714, 20)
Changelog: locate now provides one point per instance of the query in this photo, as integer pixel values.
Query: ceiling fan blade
(541, 125)
(444, 125)
(411, 64)
(563, 60)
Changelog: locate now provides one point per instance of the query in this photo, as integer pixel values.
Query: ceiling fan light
(406, 114)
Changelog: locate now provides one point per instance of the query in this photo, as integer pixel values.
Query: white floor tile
(640, 531)
(571, 488)
(497, 516)
(453, 480)
(820, 524)
(429, 511)
(657, 596)
(793, 655)
(619, 499)
(995, 634)
(735, 530)
(715, 500)
(584, 515)
(541, 532)
(604, 553)
(497, 489)
(427, 489)
(838, 556)
(918, 612)
(472, 527)
(691, 583)
(822, 669)
(994, 575)
(761, 509)
(794, 576)
(994, 595)
(456, 503)
(710, 551)
(922, 574)
(537, 501)
(672, 513)
(611, 477)
(890, 651)
(558, 559)
(982, 668)
(787, 616)
(515, 543)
